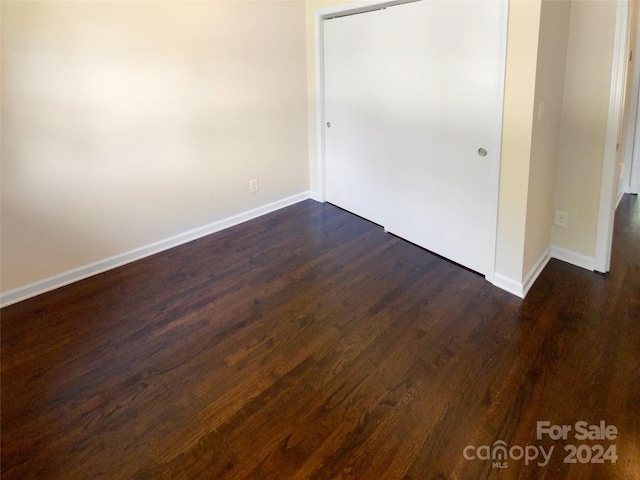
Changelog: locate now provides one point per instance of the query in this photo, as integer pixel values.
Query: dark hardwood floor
(310, 344)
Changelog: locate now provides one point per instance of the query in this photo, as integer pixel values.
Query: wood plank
(310, 344)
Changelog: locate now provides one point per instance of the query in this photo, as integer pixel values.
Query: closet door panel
(414, 137)
(446, 75)
(356, 110)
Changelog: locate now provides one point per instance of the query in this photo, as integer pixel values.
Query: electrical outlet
(253, 185)
(561, 218)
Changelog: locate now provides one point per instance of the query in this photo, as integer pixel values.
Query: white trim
(314, 196)
(320, 195)
(520, 289)
(535, 271)
(619, 197)
(495, 166)
(609, 183)
(364, 6)
(71, 276)
(631, 128)
(574, 258)
(634, 162)
(361, 6)
(508, 284)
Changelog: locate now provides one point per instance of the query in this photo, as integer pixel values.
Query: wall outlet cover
(561, 218)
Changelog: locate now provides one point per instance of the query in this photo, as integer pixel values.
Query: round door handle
(328, 124)
(482, 152)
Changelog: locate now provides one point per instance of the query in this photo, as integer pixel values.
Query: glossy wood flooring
(310, 344)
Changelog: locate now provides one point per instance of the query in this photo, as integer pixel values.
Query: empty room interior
(287, 239)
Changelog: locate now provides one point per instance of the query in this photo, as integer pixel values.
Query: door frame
(609, 183)
(633, 186)
(494, 169)
(631, 148)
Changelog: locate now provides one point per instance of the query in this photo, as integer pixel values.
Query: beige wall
(573, 77)
(520, 83)
(584, 121)
(125, 123)
(552, 56)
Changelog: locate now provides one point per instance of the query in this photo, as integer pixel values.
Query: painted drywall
(125, 123)
(549, 90)
(584, 123)
(520, 89)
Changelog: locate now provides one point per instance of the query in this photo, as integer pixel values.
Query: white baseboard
(520, 289)
(573, 258)
(71, 276)
(313, 195)
(535, 271)
(508, 284)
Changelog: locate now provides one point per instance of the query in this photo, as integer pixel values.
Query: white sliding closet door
(357, 109)
(413, 98)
